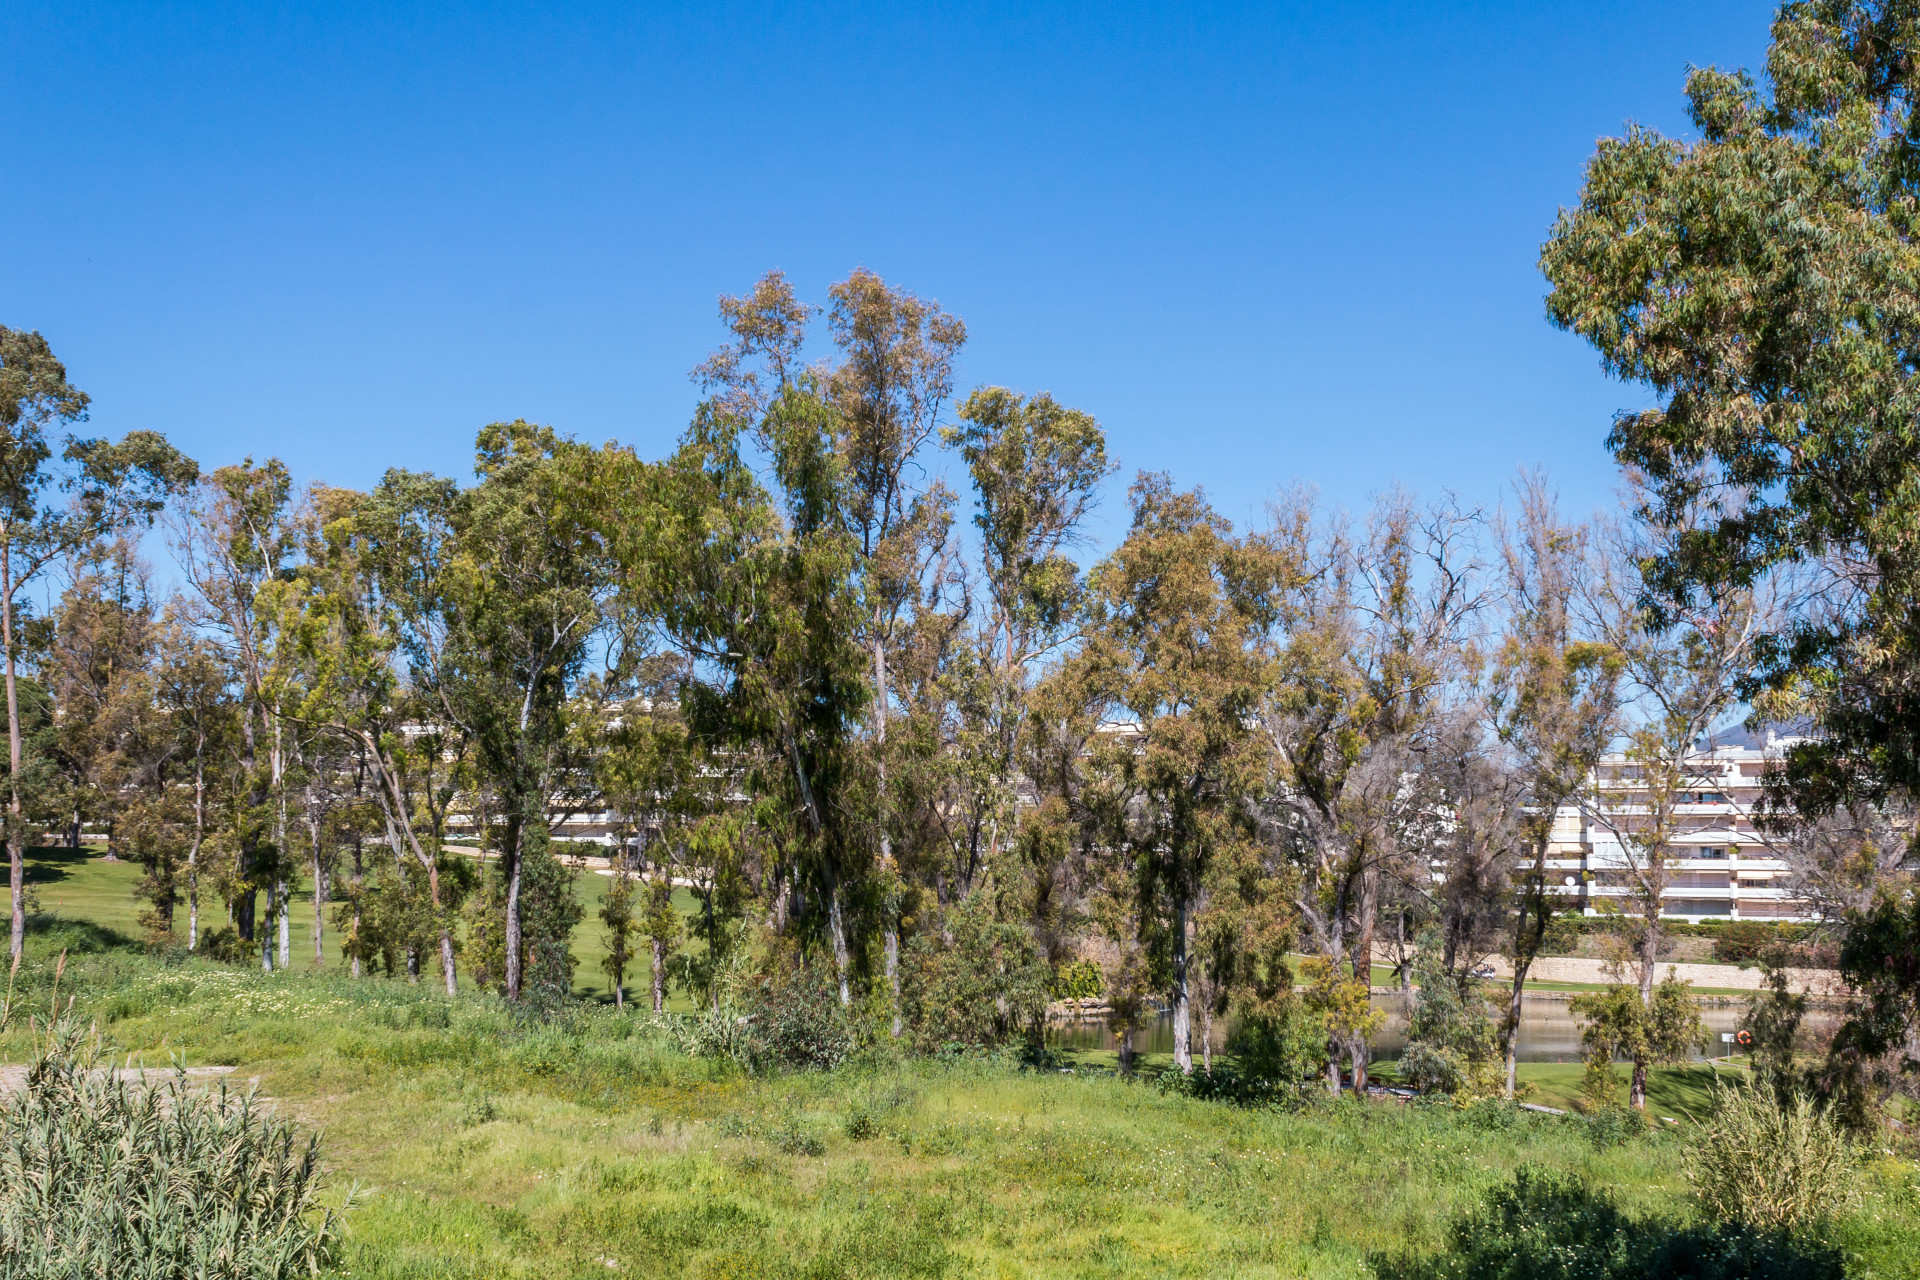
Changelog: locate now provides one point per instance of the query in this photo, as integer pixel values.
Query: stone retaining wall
(1818, 982)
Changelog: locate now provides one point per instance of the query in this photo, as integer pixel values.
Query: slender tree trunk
(359, 883)
(266, 934)
(319, 902)
(891, 942)
(1637, 1091)
(1206, 1036)
(283, 913)
(510, 854)
(1363, 969)
(1650, 948)
(1126, 1050)
(199, 835)
(837, 935)
(890, 907)
(1182, 1009)
(16, 851)
(659, 975)
(1529, 935)
(1333, 1068)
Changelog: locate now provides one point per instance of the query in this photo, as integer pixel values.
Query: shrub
(1278, 1049)
(985, 986)
(1080, 980)
(1452, 1044)
(795, 1023)
(1547, 1226)
(1768, 1161)
(103, 1176)
(1742, 942)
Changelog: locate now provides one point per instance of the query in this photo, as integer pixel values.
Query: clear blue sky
(1263, 245)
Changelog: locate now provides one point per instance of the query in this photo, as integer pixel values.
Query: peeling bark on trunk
(1182, 1007)
(510, 853)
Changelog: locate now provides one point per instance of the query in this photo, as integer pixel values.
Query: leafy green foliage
(1621, 1024)
(104, 1176)
(1550, 1226)
(797, 1022)
(982, 988)
(1452, 1043)
(1768, 1161)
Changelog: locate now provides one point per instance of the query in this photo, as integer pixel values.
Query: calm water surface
(1548, 1032)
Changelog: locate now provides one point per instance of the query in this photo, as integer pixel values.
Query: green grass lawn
(487, 1146)
(83, 885)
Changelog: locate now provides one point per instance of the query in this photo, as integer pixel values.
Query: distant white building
(1720, 866)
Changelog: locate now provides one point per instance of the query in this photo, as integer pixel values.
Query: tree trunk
(510, 855)
(319, 902)
(1126, 1050)
(199, 834)
(659, 975)
(1362, 955)
(241, 911)
(891, 942)
(1182, 1008)
(1650, 952)
(16, 851)
(837, 935)
(1206, 1036)
(283, 915)
(890, 912)
(266, 934)
(359, 873)
(1637, 1092)
(1333, 1068)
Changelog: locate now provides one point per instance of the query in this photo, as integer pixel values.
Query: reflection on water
(1548, 1031)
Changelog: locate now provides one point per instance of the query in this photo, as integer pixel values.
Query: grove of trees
(918, 747)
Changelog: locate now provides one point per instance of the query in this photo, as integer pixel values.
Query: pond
(1548, 1031)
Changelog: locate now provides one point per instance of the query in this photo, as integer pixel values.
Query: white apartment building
(1721, 866)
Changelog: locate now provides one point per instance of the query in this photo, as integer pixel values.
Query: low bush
(104, 1176)
(1769, 1161)
(1548, 1226)
(796, 1023)
(976, 982)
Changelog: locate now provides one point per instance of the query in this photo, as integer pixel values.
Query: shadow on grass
(50, 864)
(1549, 1226)
(52, 933)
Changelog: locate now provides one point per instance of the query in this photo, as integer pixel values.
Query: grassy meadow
(476, 1145)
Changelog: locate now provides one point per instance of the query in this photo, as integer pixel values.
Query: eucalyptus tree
(893, 378)
(499, 594)
(49, 509)
(236, 540)
(756, 585)
(1374, 631)
(1175, 656)
(1758, 278)
(1037, 467)
(1554, 710)
(346, 620)
(195, 684)
(1682, 672)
